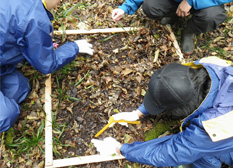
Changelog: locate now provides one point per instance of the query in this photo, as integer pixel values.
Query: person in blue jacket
(25, 29)
(201, 94)
(206, 15)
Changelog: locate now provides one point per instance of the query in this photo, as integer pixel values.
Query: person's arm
(39, 50)
(37, 44)
(199, 4)
(182, 148)
(131, 6)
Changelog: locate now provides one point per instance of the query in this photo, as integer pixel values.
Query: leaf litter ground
(92, 88)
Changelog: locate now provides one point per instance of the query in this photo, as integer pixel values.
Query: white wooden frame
(49, 162)
(97, 31)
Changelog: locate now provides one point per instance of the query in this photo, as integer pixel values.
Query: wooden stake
(175, 43)
(48, 124)
(96, 31)
(83, 160)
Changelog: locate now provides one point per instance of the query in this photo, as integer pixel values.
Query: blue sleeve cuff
(124, 8)
(126, 148)
(123, 148)
(75, 46)
(131, 6)
(190, 2)
(143, 109)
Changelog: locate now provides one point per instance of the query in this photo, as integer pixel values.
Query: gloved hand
(117, 14)
(107, 146)
(84, 47)
(128, 116)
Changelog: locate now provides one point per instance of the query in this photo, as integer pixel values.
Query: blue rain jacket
(25, 29)
(131, 6)
(208, 140)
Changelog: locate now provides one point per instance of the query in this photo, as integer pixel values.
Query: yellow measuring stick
(111, 120)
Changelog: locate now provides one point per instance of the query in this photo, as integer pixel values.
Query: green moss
(159, 128)
(10, 135)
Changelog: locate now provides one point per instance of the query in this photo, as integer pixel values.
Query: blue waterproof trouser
(14, 88)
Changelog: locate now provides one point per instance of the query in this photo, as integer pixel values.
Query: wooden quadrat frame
(49, 161)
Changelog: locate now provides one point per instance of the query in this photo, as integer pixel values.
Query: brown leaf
(139, 90)
(230, 34)
(40, 165)
(139, 79)
(228, 48)
(218, 39)
(126, 72)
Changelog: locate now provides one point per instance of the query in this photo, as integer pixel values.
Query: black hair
(202, 82)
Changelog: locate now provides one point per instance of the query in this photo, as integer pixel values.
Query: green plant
(58, 130)
(27, 141)
(76, 84)
(207, 43)
(220, 52)
(109, 37)
(129, 33)
(65, 11)
(67, 68)
(62, 93)
(228, 19)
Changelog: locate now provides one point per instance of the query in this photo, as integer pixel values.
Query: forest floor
(86, 92)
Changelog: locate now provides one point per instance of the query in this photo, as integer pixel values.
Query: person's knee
(8, 113)
(8, 119)
(15, 86)
(151, 11)
(214, 15)
(217, 18)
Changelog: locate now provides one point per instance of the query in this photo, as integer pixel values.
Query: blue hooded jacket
(131, 6)
(25, 29)
(208, 140)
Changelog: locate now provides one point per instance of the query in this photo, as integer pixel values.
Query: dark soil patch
(119, 73)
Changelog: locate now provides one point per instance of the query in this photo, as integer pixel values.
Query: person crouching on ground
(200, 94)
(206, 15)
(25, 29)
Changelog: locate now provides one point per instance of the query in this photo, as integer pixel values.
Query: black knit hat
(169, 87)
